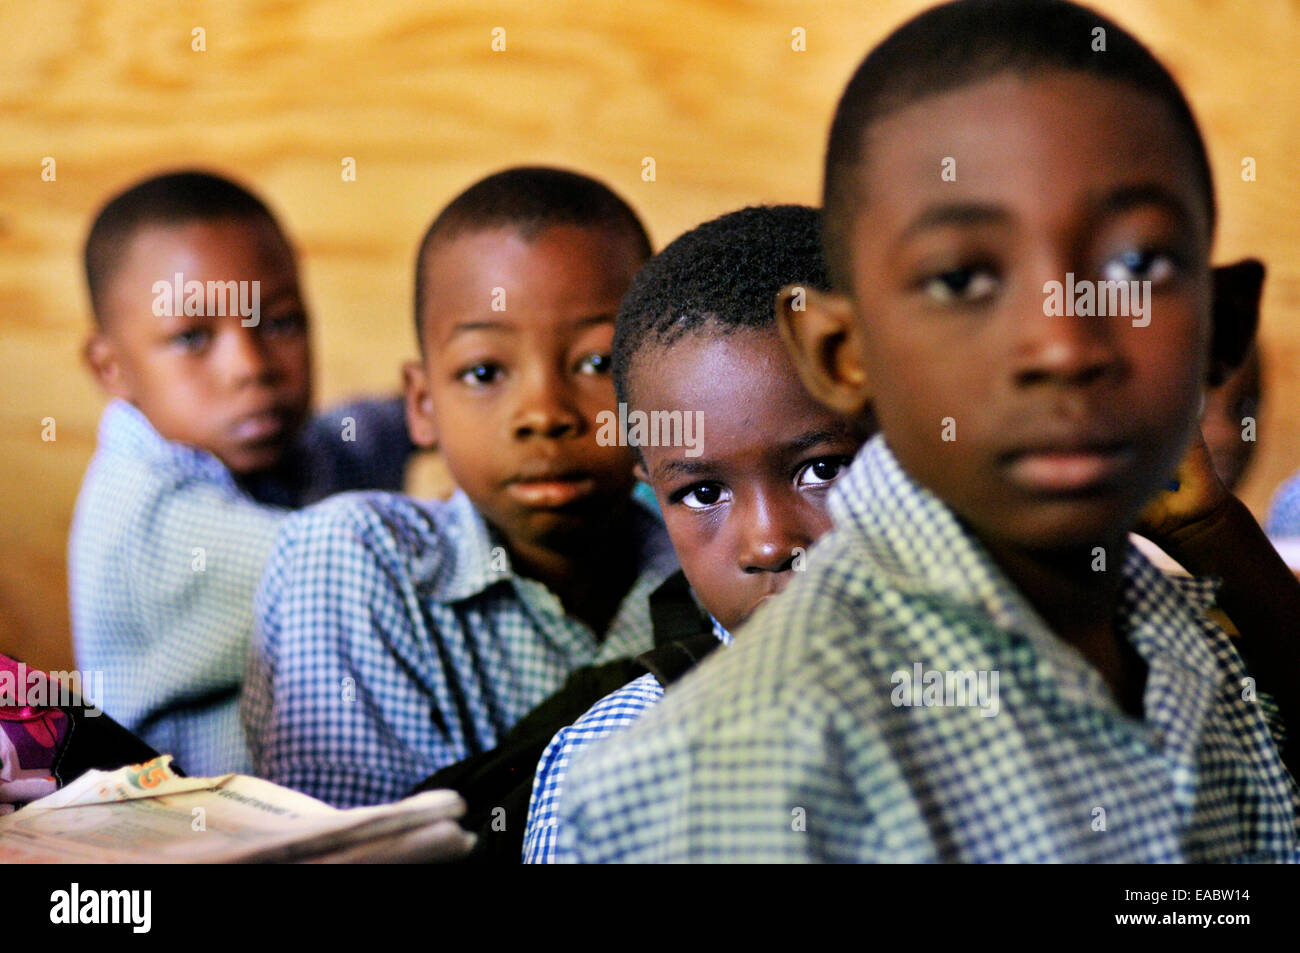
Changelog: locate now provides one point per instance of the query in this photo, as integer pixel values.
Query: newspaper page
(148, 814)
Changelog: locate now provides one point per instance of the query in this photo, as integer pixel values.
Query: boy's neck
(589, 575)
(1081, 607)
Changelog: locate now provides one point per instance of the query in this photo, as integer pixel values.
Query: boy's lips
(545, 491)
(1069, 467)
(259, 427)
(775, 586)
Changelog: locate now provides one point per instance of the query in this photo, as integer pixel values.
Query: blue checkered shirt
(607, 717)
(1283, 519)
(164, 557)
(394, 639)
(790, 746)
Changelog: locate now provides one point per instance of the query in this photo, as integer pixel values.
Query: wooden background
(413, 91)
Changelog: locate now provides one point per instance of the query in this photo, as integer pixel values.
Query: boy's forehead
(569, 269)
(1050, 143)
(204, 235)
(199, 250)
(742, 382)
(707, 364)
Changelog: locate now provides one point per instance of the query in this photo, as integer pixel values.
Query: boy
(743, 508)
(975, 666)
(397, 636)
(201, 339)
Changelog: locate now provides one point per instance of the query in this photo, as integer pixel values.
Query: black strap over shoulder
(674, 613)
(496, 784)
(672, 660)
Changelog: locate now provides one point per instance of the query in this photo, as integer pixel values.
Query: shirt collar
(913, 542)
(126, 430)
(719, 633)
(476, 558)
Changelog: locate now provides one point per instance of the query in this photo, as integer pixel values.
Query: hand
(1198, 499)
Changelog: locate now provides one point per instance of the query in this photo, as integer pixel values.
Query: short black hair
(172, 198)
(529, 199)
(718, 278)
(962, 42)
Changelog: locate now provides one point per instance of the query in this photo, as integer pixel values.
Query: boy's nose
(1064, 348)
(246, 357)
(771, 534)
(546, 409)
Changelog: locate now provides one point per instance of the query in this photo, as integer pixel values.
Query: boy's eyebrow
(967, 214)
(687, 467)
(811, 438)
(1128, 197)
(463, 327)
(694, 466)
(594, 319)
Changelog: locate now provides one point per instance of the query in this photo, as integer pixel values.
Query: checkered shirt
(1283, 519)
(789, 747)
(164, 557)
(607, 717)
(393, 639)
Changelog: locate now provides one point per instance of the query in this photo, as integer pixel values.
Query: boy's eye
(1139, 265)
(192, 339)
(703, 495)
(961, 285)
(595, 364)
(480, 375)
(821, 472)
(284, 325)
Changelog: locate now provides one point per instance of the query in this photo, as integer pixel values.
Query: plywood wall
(413, 91)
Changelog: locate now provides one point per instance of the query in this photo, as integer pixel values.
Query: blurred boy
(976, 666)
(697, 335)
(397, 636)
(201, 339)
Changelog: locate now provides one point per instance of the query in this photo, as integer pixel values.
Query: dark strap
(674, 613)
(671, 661)
(496, 784)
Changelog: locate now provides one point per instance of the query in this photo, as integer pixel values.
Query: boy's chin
(556, 527)
(251, 461)
(1066, 527)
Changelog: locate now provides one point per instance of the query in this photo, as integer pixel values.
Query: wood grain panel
(413, 91)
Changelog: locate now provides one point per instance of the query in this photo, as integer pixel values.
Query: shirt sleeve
(323, 676)
(1283, 519)
(609, 716)
(539, 834)
(191, 565)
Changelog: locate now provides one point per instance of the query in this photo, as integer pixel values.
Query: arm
(190, 563)
(1212, 533)
(332, 707)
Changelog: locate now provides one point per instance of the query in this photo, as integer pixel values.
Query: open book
(146, 813)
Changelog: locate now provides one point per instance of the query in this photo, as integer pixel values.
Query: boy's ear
(419, 405)
(100, 354)
(822, 337)
(1237, 290)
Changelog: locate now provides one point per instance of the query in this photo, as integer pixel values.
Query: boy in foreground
(976, 665)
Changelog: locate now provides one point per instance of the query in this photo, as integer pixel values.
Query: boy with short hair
(976, 666)
(397, 636)
(697, 336)
(201, 339)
